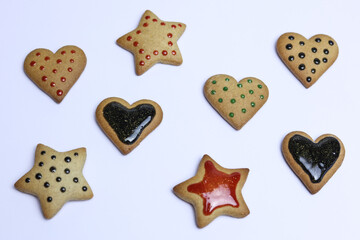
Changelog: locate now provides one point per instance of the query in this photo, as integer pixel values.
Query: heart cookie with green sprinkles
(237, 102)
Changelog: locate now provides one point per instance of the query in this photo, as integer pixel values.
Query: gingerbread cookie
(56, 178)
(313, 162)
(214, 191)
(55, 73)
(153, 41)
(307, 59)
(127, 125)
(236, 102)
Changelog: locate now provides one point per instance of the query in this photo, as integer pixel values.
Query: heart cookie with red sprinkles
(55, 73)
(153, 41)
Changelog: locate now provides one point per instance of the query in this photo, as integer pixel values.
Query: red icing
(54, 71)
(173, 52)
(58, 61)
(169, 35)
(63, 52)
(164, 52)
(142, 63)
(147, 57)
(52, 84)
(42, 68)
(162, 24)
(38, 54)
(217, 188)
(141, 51)
(154, 20)
(136, 44)
(156, 52)
(62, 79)
(173, 26)
(44, 78)
(129, 38)
(138, 31)
(73, 51)
(147, 17)
(70, 69)
(145, 24)
(59, 92)
(47, 58)
(72, 60)
(170, 43)
(33, 63)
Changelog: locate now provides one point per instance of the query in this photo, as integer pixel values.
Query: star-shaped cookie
(56, 178)
(153, 41)
(214, 191)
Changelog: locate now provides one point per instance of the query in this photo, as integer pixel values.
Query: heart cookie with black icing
(55, 73)
(236, 102)
(313, 162)
(307, 59)
(127, 125)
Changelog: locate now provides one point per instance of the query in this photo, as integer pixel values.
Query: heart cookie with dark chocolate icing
(313, 162)
(307, 59)
(55, 73)
(127, 125)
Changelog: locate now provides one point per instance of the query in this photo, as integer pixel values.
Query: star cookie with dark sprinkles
(56, 178)
(153, 41)
(307, 59)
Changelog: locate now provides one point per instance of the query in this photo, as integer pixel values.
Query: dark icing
(318, 157)
(128, 124)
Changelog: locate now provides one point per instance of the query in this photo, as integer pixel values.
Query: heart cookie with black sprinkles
(236, 102)
(307, 59)
(56, 178)
(127, 125)
(313, 162)
(55, 73)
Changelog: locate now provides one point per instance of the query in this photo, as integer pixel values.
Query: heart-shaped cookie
(313, 162)
(55, 73)
(127, 125)
(236, 102)
(307, 59)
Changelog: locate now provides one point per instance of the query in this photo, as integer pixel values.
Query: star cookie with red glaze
(153, 41)
(56, 178)
(214, 191)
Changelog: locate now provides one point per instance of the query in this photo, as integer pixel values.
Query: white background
(133, 196)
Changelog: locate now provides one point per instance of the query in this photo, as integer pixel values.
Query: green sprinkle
(239, 85)
(251, 91)
(227, 79)
(242, 96)
(233, 100)
(213, 82)
(249, 81)
(252, 104)
(231, 114)
(260, 86)
(213, 92)
(243, 110)
(261, 96)
(220, 100)
(225, 88)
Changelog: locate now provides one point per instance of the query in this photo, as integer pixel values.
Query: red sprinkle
(169, 35)
(141, 51)
(47, 58)
(38, 54)
(173, 26)
(147, 17)
(54, 71)
(72, 60)
(33, 63)
(179, 25)
(156, 52)
(70, 69)
(44, 78)
(164, 52)
(42, 68)
(52, 84)
(136, 44)
(59, 61)
(170, 43)
(173, 52)
(138, 31)
(62, 79)
(129, 38)
(147, 57)
(59, 92)
(154, 20)
(72, 51)
(162, 24)
(145, 24)
(142, 63)
(63, 52)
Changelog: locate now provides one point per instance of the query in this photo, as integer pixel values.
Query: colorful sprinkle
(141, 51)
(225, 88)
(59, 92)
(252, 104)
(33, 63)
(220, 100)
(129, 38)
(227, 79)
(213, 92)
(239, 85)
(260, 86)
(233, 100)
(214, 82)
(249, 81)
(251, 91)
(231, 114)
(242, 96)
(261, 96)
(243, 110)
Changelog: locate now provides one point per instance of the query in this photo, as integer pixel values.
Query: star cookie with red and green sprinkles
(237, 102)
(56, 178)
(153, 41)
(214, 191)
